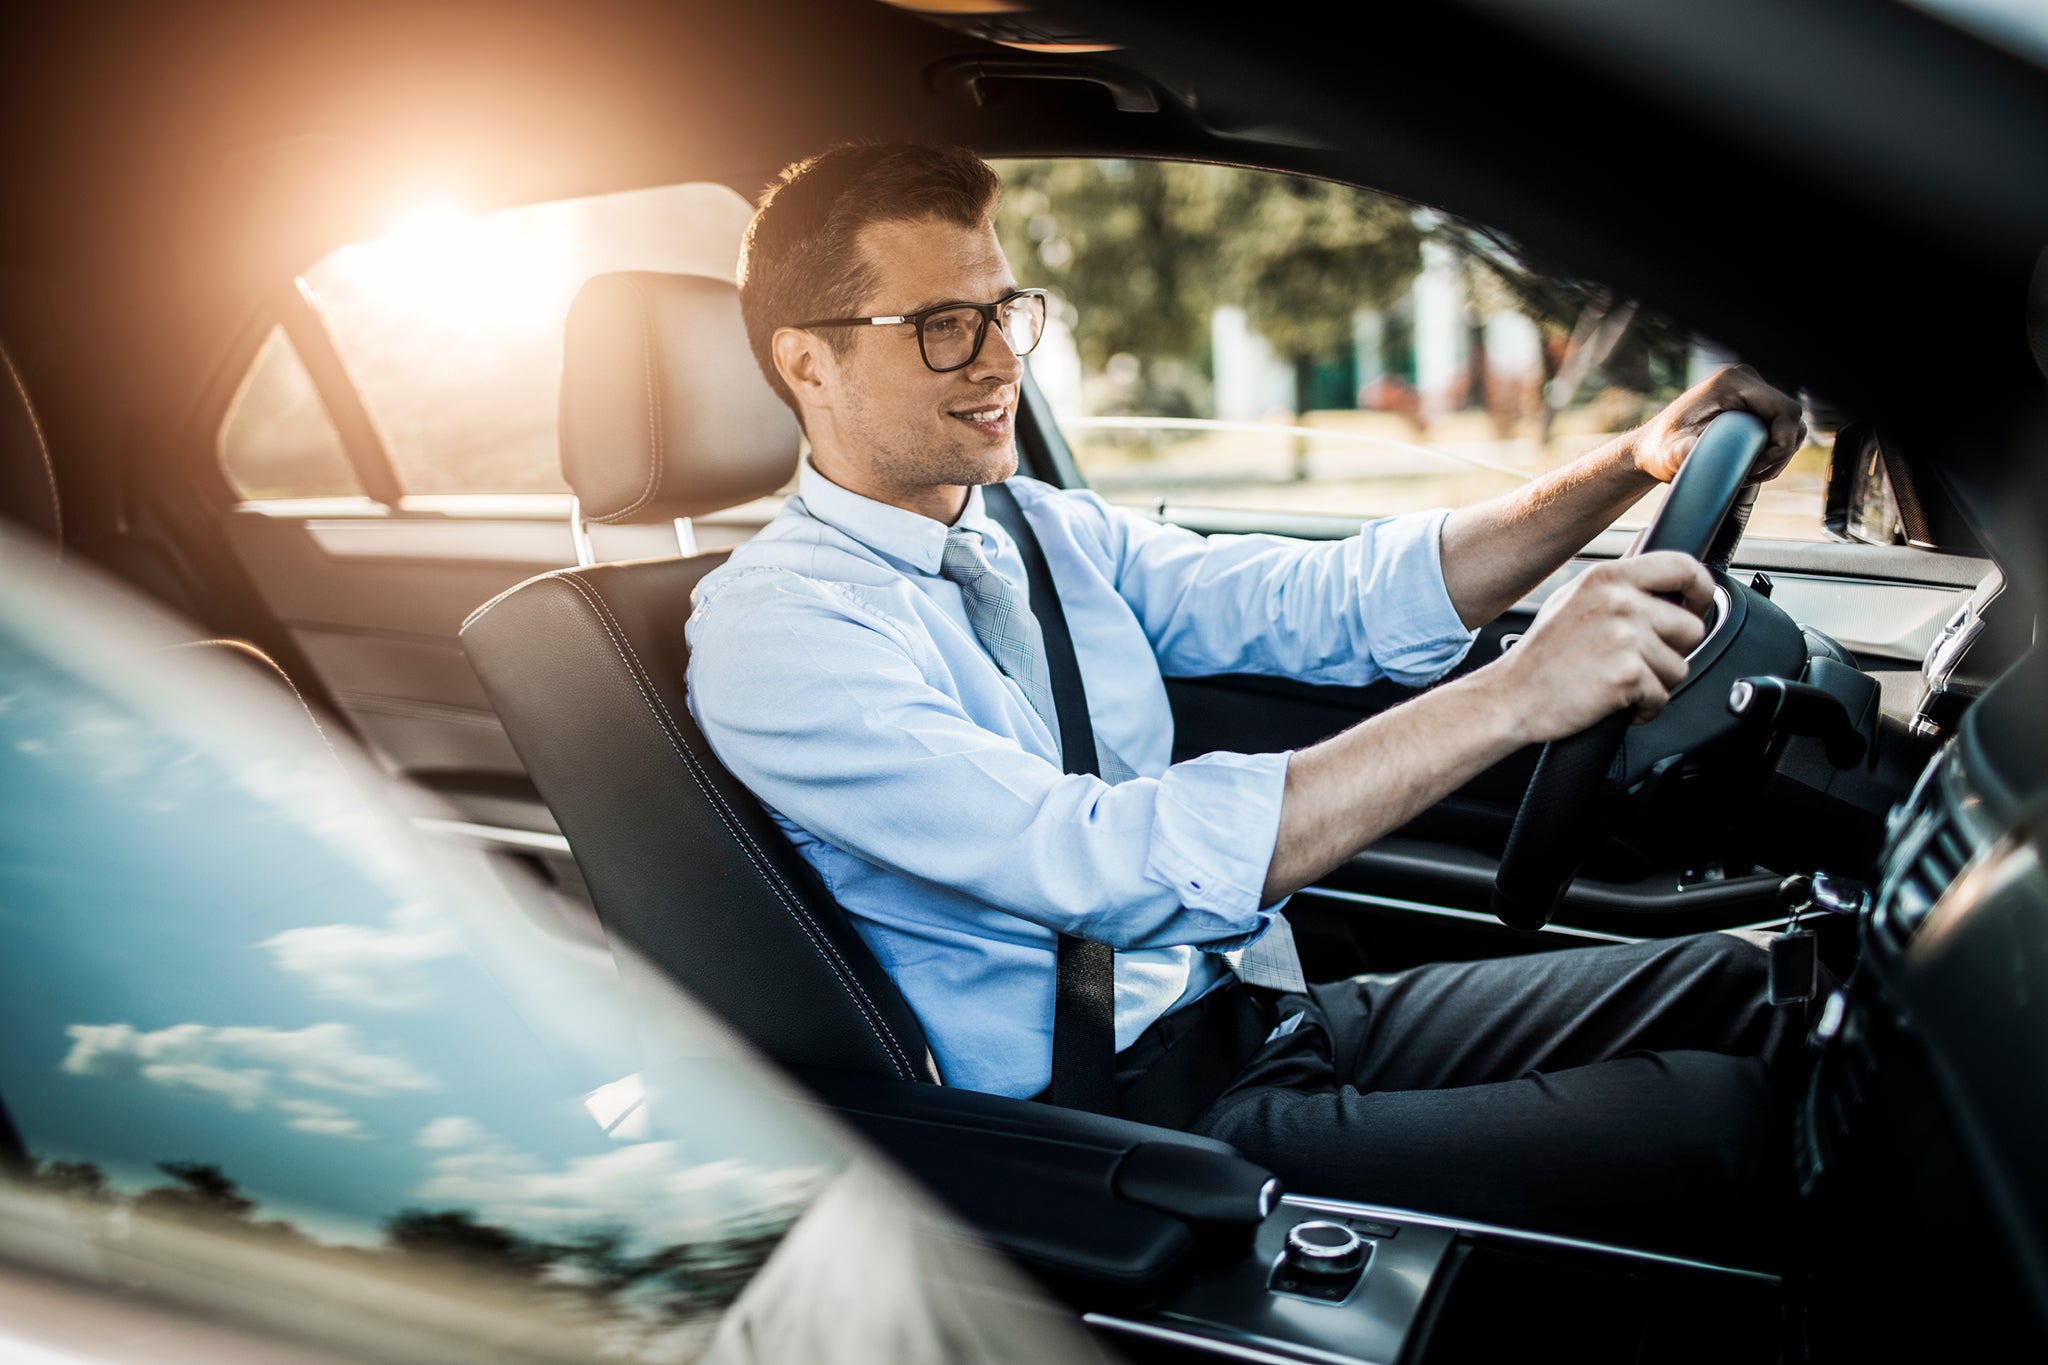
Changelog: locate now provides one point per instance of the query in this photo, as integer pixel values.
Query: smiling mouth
(984, 416)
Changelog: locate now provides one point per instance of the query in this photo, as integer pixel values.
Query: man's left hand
(1663, 442)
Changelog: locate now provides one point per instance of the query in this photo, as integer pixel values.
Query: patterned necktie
(1008, 631)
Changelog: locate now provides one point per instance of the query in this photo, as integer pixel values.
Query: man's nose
(997, 360)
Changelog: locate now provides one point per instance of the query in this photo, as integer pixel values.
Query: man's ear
(806, 364)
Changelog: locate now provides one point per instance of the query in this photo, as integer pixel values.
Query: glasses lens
(1023, 320)
(949, 337)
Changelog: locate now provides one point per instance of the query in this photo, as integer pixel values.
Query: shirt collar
(908, 537)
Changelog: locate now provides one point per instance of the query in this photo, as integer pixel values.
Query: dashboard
(1923, 1141)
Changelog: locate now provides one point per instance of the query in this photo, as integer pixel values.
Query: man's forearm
(1495, 552)
(1611, 641)
(1350, 789)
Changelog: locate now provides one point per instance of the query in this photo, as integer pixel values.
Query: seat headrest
(28, 480)
(664, 413)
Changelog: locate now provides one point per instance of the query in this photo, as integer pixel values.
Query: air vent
(1924, 862)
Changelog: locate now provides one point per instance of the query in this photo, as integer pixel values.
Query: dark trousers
(1637, 1094)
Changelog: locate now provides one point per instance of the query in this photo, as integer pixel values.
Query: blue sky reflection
(220, 954)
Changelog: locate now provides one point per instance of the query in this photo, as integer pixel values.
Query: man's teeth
(985, 415)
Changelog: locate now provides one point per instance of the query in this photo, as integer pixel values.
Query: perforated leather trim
(783, 893)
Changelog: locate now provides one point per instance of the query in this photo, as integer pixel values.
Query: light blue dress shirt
(836, 675)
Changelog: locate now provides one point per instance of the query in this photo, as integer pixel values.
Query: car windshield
(1238, 339)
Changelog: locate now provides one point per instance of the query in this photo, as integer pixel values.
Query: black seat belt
(1084, 999)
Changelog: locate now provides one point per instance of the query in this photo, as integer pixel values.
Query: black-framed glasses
(949, 335)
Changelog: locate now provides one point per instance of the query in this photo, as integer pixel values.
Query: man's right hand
(1601, 645)
(1604, 644)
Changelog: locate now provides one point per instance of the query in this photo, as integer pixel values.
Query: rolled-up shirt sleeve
(1214, 828)
(826, 714)
(1412, 629)
(1348, 611)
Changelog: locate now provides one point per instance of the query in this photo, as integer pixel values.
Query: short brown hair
(801, 257)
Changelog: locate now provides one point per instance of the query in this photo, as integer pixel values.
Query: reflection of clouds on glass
(182, 734)
(644, 1186)
(124, 758)
(327, 1120)
(377, 968)
(305, 789)
(244, 1066)
(325, 1056)
(242, 1089)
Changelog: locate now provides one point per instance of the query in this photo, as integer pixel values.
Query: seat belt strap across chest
(1084, 998)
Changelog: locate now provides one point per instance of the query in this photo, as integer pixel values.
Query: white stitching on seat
(471, 619)
(783, 893)
(42, 447)
(790, 902)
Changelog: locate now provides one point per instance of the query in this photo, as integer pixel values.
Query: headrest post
(686, 538)
(579, 533)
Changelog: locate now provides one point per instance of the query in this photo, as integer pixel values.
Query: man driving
(874, 667)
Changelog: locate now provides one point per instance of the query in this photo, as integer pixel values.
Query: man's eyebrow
(938, 300)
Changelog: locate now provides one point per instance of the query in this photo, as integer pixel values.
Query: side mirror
(1861, 505)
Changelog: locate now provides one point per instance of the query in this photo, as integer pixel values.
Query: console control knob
(1324, 1248)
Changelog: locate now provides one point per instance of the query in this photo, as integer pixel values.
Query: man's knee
(1738, 959)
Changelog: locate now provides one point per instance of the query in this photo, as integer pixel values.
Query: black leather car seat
(664, 416)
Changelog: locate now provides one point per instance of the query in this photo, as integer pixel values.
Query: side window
(1239, 339)
(450, 327)
(278, 441)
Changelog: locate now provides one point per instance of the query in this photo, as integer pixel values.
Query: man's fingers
(1666, 663)
(1670, 571)
(1788, 434)
(1674, 626)
(1651, 697)
(1783, 417)
(1761, 398)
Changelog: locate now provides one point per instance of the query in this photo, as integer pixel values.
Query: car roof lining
(269, 143)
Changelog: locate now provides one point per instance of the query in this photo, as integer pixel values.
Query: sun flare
(448, 267)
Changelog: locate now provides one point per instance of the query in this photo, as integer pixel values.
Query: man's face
(893, 423)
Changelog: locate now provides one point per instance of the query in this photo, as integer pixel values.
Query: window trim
(305, 327)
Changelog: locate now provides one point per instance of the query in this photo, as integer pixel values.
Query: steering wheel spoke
(1556, 826)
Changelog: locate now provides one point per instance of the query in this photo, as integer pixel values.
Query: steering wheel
(1702, 516)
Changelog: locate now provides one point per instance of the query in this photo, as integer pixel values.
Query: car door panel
(374, 599)
(377, 619)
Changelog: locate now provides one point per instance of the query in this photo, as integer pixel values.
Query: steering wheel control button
(1322, 1260)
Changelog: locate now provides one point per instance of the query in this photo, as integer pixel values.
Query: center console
(1426, 1290)
(1174, 1248)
